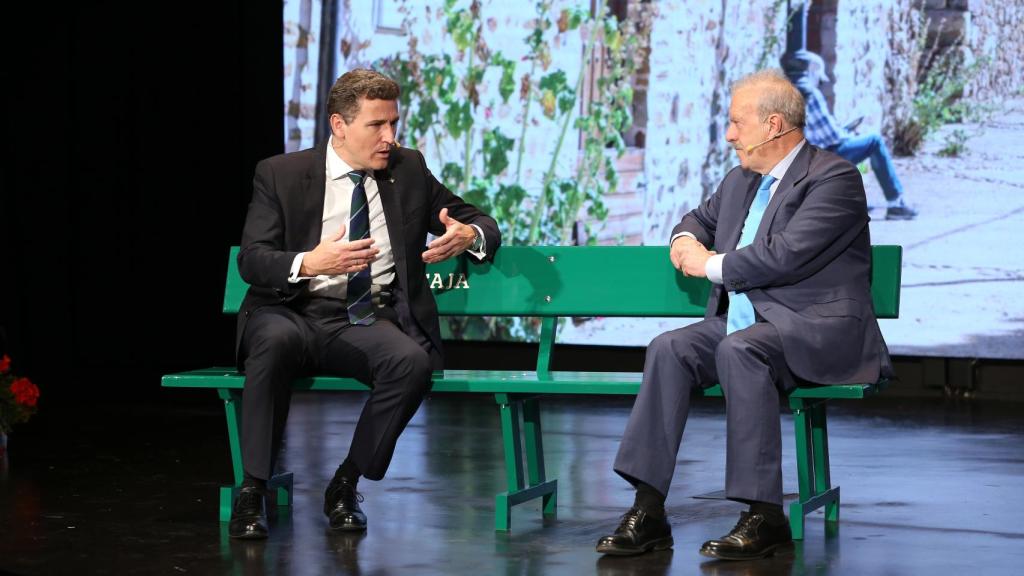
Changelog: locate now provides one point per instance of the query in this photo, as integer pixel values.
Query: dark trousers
(283, 343)
(751, 369)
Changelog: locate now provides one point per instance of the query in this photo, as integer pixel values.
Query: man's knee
(661, 345)
(751, 352)
(733, 347)
(419, 363)
(877, 142)
(670, 345)
(272, 341)
(409, 363)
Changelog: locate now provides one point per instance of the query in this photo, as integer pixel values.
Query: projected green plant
(441, 103)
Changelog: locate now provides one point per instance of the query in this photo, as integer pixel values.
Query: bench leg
(280, 485)
(232, 410)
(822, 474)
(227, 497)
(535, 454)
(811, 431)
(512, 439)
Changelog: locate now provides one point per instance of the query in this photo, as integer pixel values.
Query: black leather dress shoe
(341, 506)
(248, 515)
(752, 537)
(637, 533)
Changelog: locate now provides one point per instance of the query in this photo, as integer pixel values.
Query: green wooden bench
(551, 282)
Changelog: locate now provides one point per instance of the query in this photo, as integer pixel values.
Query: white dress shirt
(337, 208)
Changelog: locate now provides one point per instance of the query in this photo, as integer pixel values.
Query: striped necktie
(741, 311)
(359, 297)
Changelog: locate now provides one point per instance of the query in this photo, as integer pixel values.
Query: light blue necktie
(741, 311)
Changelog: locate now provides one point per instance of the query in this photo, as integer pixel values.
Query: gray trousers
(281, 344)
(749, 365)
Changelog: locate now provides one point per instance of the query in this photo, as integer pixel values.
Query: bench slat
(499, 382)
(626, 281)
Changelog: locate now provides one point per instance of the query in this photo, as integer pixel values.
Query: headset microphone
(750, 148)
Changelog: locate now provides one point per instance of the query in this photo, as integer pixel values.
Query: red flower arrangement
(18, 397)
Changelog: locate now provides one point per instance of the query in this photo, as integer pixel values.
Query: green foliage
(458, 119)
(496, 149)
(554, 89)
(956, 144)
(441, 100)
(461, 26)
(507, 84)
(939, 95)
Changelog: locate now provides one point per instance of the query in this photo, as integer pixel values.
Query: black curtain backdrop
(131, 136)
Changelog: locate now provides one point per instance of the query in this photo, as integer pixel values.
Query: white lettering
(437, 281)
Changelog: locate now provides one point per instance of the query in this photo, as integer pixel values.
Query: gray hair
(776, 95)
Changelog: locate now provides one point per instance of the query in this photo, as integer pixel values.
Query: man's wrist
(683, 235)
(298, 269)
(478, 239)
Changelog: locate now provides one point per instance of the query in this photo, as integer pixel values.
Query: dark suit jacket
(286, 217)
(808, 270)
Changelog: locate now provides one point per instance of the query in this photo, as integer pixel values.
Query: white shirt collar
(336, 167)
(782, 167)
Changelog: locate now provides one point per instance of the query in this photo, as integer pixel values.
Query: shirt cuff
(293, 274)
(482, 252)
(676, 237)
(713, 268)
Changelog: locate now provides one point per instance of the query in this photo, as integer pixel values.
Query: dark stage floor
(128, 488)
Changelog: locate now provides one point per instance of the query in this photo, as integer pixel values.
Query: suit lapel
(797, 171)
(313, 193)
(735, 228)
(389, 196)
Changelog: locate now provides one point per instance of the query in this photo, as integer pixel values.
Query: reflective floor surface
(928, 487)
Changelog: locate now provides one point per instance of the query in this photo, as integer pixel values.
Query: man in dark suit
(791, 303)
(334, 250)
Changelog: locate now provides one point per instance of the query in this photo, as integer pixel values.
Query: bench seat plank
(500, 382)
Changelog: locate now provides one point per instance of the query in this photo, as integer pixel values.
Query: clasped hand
(689, 256)
(335, 255)
(457, 238)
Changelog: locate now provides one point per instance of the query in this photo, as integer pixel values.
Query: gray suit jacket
(808, 270)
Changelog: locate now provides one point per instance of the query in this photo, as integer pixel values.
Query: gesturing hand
(458, 237)
(335, 255)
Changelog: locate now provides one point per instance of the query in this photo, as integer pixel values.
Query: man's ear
(338, 127)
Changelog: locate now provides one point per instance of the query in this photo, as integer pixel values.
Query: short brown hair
(355, 85)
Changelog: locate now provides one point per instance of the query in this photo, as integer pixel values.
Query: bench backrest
(554, 281)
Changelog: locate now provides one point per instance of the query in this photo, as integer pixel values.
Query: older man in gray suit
(791, 303)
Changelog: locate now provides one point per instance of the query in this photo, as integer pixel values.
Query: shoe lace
(349, 491)
(630, 519)
(746, 528)
(249, 498)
